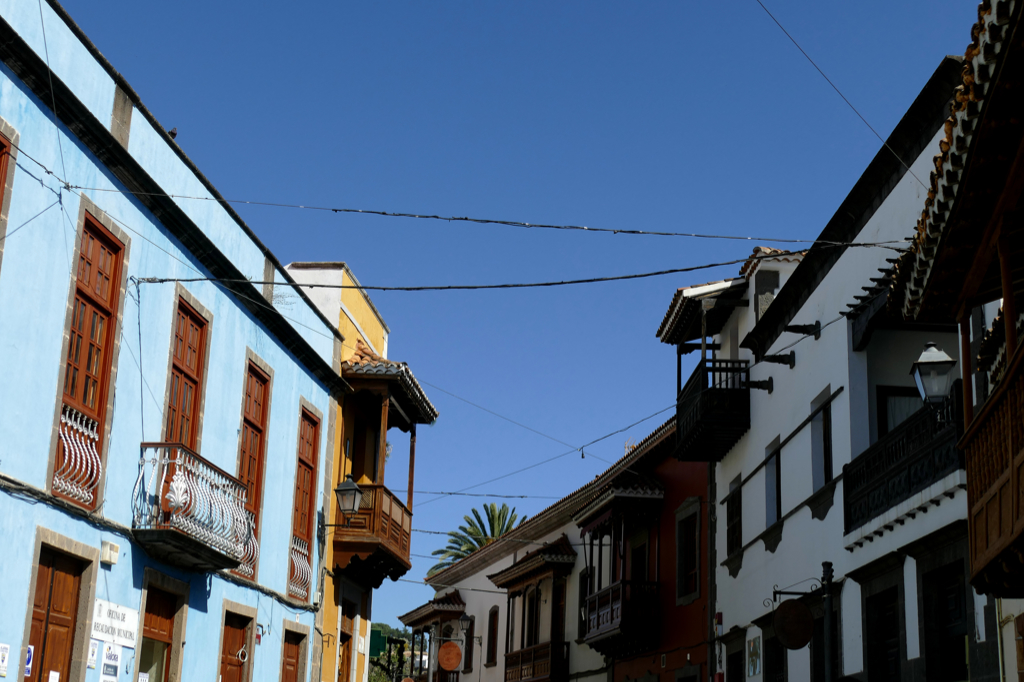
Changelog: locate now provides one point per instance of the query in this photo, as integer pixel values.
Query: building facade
(606, 584)
(167, 429)
(826, 459)
(365, 548)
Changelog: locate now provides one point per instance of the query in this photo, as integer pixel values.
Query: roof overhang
(446, 607)
(908, 140)
(682, 321)
(553, 559)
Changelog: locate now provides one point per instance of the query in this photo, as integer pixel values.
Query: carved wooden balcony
(994, 449)
(908, 460)
(190, 513)
(375, 544)
(545, 661)
(622, 618)
(713, 410)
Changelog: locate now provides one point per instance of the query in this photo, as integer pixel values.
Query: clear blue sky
(682, 116)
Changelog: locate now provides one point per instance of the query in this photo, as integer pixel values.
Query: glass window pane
(153, 659)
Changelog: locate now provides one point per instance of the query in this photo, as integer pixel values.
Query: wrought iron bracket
(782, 359)
(805, 329)
(776, 592)
(763, 385)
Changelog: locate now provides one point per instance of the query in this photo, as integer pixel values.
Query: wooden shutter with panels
(88, 365)
(187, 347)
(305, 480)
(252, 450)
(54, 615)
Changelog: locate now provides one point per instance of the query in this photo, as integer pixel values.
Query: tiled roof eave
(980, 65)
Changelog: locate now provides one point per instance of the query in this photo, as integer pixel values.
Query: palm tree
(475, 534)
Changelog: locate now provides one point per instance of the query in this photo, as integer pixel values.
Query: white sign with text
(115, 623)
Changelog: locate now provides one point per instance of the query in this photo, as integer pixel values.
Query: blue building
(166, 433)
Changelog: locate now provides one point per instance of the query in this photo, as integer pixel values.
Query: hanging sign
(115, 623)
(449, 656)
(794, 624)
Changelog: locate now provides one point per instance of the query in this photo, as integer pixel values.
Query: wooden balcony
(375, 544)
(909, 459)
(189, 513)
(546, 661)
(622, 618)
(994, 449)
(713, 410)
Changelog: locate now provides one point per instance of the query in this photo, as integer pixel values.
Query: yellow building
(364, 548)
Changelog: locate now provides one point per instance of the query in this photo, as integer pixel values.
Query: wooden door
(54, 612)
(290, 662)
(158, 634)
(235, 649)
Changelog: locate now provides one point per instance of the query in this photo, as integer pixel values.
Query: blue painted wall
(34, 284)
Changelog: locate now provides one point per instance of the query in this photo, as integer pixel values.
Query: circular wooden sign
(794, 624)
(407, 679)
(449, 656)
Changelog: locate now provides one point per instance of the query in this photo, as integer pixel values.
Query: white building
(839, 459)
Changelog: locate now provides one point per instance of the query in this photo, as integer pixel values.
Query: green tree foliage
(476, 533)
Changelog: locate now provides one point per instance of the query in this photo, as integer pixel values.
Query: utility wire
(12, 232)
(510, 497)
(478, 287)
(481, 221)
(839, 92)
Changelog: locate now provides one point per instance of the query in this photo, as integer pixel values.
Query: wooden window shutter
(88, 365)
(304, 506)
(188, 346)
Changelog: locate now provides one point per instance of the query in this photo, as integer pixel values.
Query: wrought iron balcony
(546, 661)
(79, 468)
(994, 449)
(917, 453)
(622, 619)
(190, 513)
(713, 410)
(301, 574)
(375, 544)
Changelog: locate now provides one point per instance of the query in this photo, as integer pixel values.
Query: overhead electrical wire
(478, 287)
(840, 93)
(469, 219)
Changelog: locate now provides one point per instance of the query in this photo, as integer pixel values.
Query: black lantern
(349, 496)
(465, 621)
(933, 373)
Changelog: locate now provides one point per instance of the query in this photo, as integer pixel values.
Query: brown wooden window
(300, 576)
(734, 518)
(468, 642)
(54, 615)
(253, 445)
(688, 552)
(157, 634)
(492, 636)
(88, 365)
(187, 358)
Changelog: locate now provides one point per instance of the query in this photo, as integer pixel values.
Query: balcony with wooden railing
(621, 618)
(994, 448)
(190, 513)
(375, 542)
(545, 661)
(713, 410)
(910, 459)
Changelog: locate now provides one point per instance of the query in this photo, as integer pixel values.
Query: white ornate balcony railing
(251, 551)
(179, 490)
(79, 468)
(301, 574)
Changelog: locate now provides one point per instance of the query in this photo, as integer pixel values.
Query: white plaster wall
(806, 542)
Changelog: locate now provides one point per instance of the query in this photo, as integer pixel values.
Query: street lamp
(933, 373)
(465, 621)
(349, 496)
